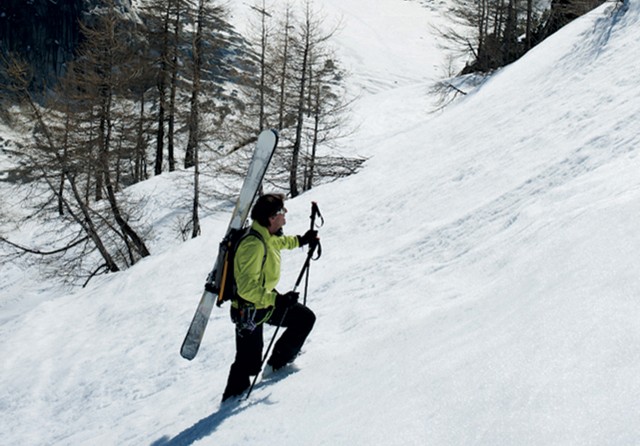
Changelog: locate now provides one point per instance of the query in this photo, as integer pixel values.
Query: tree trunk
(190, 158)
(194, 122)
(86, 222)
(174, 86)
(310, 166)
(139, 163)
(529, 31)
(293, 173)
(162, 93)
(283, 73)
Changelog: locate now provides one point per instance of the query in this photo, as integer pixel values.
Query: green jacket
(256, 283)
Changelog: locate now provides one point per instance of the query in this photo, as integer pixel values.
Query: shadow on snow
(206, 426)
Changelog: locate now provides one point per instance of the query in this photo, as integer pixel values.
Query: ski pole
(275, 333)
(315, 212)
(305, 269)
(266, 354)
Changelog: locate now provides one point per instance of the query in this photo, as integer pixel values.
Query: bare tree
(329, 112)
(299, 89)
(174, 50)
(309, 48)
(164, 29)
(216, 61)
(105, 70)
(284, 65)
(191, 157)
(79, 144)
(49, 160)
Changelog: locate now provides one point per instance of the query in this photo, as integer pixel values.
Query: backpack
(227, 288)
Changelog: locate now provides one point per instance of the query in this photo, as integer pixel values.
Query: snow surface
(479, 282)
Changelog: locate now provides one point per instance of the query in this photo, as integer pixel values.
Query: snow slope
(478, 284)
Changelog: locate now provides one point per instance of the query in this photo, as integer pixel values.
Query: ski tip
(270, 133)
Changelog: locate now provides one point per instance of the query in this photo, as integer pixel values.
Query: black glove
(287, 299)
(310, 236)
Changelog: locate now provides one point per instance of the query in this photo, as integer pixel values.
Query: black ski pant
(298, 322)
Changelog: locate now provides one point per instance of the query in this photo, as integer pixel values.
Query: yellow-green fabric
(256, 283)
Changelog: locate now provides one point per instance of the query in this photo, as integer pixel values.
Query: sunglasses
(282, 211)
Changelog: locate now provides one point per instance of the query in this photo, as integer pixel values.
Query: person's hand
(287, 299)
(311, 236)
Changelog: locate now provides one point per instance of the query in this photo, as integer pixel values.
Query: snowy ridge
(478, 284)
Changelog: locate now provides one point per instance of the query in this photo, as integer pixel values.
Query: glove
(310, 236)
(286, 300)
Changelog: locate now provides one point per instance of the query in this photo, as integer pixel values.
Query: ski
(265, 147)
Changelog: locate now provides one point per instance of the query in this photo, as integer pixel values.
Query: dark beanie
(267, 206)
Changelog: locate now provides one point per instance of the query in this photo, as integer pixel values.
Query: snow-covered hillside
(478, 285)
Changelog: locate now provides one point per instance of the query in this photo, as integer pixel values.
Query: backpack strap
(253, 232)
(248, 233)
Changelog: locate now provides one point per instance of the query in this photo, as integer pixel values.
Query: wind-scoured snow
(478, 286)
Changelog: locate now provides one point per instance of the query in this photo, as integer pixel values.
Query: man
(257, 272)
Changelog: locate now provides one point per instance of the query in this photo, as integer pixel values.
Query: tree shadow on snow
(206, 426)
